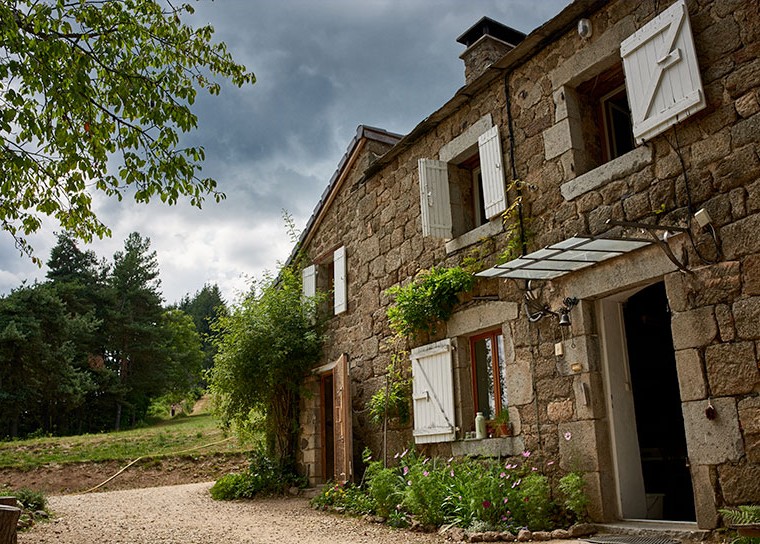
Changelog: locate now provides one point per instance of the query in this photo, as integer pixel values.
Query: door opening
(328, 428)
(649, 441)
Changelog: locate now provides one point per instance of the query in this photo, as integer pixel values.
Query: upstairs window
(464, 193)
(329, 276)
(605, 117)
(488, 373)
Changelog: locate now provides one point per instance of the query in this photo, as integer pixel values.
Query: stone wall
(709, 161)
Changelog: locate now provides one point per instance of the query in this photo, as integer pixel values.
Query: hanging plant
(427, 300)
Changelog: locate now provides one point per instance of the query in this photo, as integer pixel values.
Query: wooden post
(8, 519)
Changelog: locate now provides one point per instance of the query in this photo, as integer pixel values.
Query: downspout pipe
(518, 186)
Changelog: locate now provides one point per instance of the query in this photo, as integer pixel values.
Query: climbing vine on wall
(427, 300)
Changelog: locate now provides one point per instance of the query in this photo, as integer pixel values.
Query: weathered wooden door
(344, 470)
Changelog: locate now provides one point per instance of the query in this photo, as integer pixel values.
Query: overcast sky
(322, 68)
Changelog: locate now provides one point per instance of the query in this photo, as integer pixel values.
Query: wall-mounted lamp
(535, 311)
(564, 311)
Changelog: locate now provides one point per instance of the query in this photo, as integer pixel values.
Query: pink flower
(486, 504)
(526, 453)
(426, 473)
(450, 460)
(534, 469)
(568, 435)
(404, 453)
(452, 473)
(406, 471)
(396, 456)
(506, 500)
(549, 463)
(503, 475)
(426, 460)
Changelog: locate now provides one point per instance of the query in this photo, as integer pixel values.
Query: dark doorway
(328, 428)
(657, 405)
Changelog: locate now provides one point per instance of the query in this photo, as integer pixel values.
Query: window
(465, 189)
(605, 117)
(488, 373)
(618, 128)
(328, 275)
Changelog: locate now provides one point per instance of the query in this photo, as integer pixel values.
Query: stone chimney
(486, 41)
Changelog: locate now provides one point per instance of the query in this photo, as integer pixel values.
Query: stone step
(684, 532)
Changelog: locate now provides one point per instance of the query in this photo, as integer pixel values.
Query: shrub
(265, 476)
(30, 499)
(575, 499)
(384, 487)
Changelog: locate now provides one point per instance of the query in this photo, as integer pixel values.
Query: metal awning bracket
(662, 243)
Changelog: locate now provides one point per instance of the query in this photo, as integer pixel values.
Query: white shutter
(661, 73)
(492, 172)
(435, 203)
(339, 279)
(309, 280)
(433, 393)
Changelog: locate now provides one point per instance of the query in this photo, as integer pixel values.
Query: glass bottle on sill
(480, 426)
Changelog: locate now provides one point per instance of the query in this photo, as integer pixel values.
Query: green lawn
(168, 437)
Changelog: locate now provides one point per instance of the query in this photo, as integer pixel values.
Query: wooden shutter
(344, 454)
(435, 203)
(433, 393)
(492, 172)
(339, 280)
(309, 280)
(661, 73)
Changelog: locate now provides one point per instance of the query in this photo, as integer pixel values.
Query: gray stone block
(694, 329)
(711, 442)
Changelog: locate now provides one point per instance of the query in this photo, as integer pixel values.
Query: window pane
(485, 402)
(502, 372)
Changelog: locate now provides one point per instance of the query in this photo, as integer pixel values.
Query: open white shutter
(661, 73)
(339, 280)
(433, 393)
(435, 203)
(492, 172)
(309, 281)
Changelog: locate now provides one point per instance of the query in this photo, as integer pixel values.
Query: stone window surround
(455, 151)
(462, 325)
(564, 139)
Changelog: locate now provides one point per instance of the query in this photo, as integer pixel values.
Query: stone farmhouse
(614, 151)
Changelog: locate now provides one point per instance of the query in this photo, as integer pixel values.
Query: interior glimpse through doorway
(657, 406)
(328, 428)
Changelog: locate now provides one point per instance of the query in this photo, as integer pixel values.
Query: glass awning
(567, 256)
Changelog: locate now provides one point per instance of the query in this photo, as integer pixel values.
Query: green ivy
(428, 300)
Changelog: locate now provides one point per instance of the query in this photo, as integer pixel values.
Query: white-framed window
(463, 192)
(328, 275)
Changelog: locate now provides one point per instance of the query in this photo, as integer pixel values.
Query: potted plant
(501, 423)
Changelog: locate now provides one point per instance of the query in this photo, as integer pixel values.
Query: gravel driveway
(186, 514)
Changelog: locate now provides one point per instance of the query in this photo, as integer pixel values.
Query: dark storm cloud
(322, 67)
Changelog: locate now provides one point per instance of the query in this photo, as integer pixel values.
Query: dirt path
(186, 514)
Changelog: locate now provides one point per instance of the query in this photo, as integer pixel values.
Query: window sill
(489, 447)
(618, 168)
(492, 228)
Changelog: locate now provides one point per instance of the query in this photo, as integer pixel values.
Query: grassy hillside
(166, 438)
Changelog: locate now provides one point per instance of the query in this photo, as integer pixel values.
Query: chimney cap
(490, 27)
